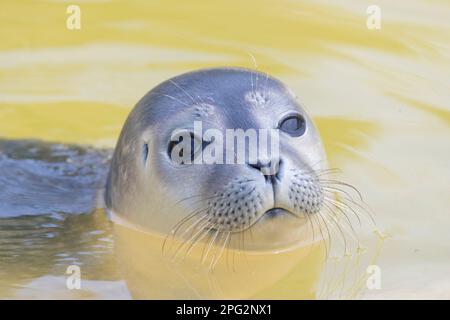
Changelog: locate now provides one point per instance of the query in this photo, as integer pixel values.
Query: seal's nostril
(260, 166)
(279, 172)
(255, 166)
(270, 169)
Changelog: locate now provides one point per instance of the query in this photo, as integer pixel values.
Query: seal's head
(196, 190)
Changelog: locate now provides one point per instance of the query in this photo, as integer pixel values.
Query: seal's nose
(270, 168)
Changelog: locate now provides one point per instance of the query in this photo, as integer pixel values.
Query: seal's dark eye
(294, 125)
(184, 147)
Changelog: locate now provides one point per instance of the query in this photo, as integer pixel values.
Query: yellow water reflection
(233, 274)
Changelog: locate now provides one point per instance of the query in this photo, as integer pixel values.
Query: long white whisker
(211, 243)
(182, 89)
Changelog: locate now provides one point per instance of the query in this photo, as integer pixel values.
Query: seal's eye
(294, 125)
(184, 147)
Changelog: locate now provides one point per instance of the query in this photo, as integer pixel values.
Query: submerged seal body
(218, 202)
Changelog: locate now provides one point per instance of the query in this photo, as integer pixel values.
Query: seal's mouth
(276, 212)
(271, 214)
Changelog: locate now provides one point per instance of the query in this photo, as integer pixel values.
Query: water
(379, 97)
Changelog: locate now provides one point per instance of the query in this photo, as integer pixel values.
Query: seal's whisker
(203, 199)
(344, 184)
(194, 225)
(225, 243)
(243, 247)
(210, 245)
(311, 219)
(329, 171)
(214, 285)
(339, 187)
(179, 224)
(196, 238)
(311, 226)
(200, 237)
(365, 209)
(195, 196)
(312, 167)
(251, 71)
(189, 216)
(244, 254)
(190, 226)
(233, 260)
(175, 228)
(206, 232)
(255, 64)
(218, 250)
(347, 203)
(352, 233)
(203, 223)
(327, 242)
(183, 90)
(335, 226)
(265, 85)
(329, 223)
(227, 261)
(215, 249)
(237, 249)
(341, 192)
(334, 216)
(250, 230)
(205, 244)
(332, 192)
(346, 216)
(170, 97)
(328, 232)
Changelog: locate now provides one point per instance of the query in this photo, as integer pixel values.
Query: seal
(218, 203)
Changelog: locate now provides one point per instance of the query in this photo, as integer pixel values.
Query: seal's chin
(278, 229)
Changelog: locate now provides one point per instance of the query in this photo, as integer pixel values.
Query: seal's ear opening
(145, 153)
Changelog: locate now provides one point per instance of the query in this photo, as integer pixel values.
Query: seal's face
(269, 194)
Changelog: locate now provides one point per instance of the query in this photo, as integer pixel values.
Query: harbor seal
(218, 203)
